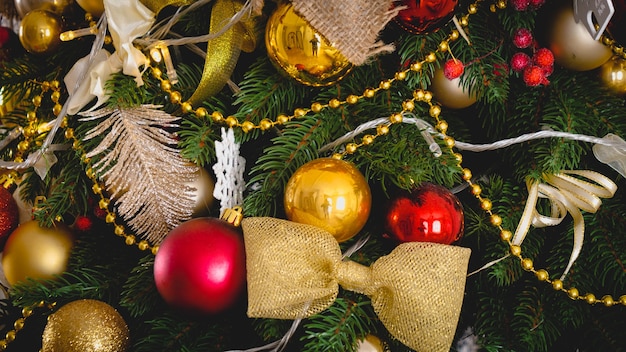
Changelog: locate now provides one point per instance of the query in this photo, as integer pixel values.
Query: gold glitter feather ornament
(85, 325)
(137, 154)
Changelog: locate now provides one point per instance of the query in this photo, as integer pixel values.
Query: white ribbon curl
(127, 21)
(567, 194)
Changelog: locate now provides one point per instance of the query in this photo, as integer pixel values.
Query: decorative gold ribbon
(294, 271)
(157, 5)
(567, 194)
(223, 51)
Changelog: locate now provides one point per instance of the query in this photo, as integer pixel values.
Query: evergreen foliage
(506, 307)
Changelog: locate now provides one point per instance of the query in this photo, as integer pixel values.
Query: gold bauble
(370, 343)
(39, 31)
(36, 252)
(331, 194)
(301, 52)
(85, 325)
(572, 45)
(613, 75)
(203, 194)
(449, 92)
(94, 7)
(25, 6)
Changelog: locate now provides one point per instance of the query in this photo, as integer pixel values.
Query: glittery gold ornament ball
(331, 194)
(85, 326)
(300, 51)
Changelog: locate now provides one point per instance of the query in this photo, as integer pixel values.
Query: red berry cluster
(536, 69)
(524, 5)
(453, 68)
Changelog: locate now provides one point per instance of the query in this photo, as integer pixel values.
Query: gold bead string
(617, 49)
(485, 203)
(104, 203)
(19, 323)
(175, 97)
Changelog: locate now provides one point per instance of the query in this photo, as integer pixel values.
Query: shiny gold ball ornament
(301, 52)
(613, 75)
(25, 6)
(449, 92)
(94, 7)
(39, 31)
(85, 325)
(36, 252)
(572, 45)
(331, 194)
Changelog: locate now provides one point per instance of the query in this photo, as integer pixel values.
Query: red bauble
(423, 16)
(430, 213)
(201, 266)
(9, 214)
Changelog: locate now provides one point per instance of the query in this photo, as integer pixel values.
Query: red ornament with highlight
(522, 38)
(201, 266)
(430, 213)
(423, 16)
(9, 215)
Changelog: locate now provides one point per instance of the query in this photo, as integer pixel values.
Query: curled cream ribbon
(295, 270)
(567, 194)
(127, 20)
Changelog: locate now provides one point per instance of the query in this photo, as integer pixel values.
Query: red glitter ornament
(9, 215)
(430, 213)
(522, 38)
(520, 61)
(422, 16)
(543, 57)
(453, 69)
(534, 76)
(201, 266)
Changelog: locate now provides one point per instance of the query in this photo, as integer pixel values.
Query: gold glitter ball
(85, 325)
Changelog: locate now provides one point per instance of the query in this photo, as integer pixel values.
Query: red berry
(453, 69)
(522, 38)
(547, 70)
(534, 76)
(543, 57)
(535, 4)
(520, 5)
(83, 223)
(4, 35)
(520, 61)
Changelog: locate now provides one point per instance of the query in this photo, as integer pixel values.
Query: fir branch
(139, 293)
(339, 327)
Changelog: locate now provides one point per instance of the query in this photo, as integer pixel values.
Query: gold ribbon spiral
(294, 271)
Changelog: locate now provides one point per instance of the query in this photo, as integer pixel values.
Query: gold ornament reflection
(330, 194)
(301, 52)
(39, 31)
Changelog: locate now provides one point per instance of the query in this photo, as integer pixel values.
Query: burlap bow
(294, 271)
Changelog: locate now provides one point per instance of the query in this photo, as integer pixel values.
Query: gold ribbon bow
(567, 194)
(294, 271)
